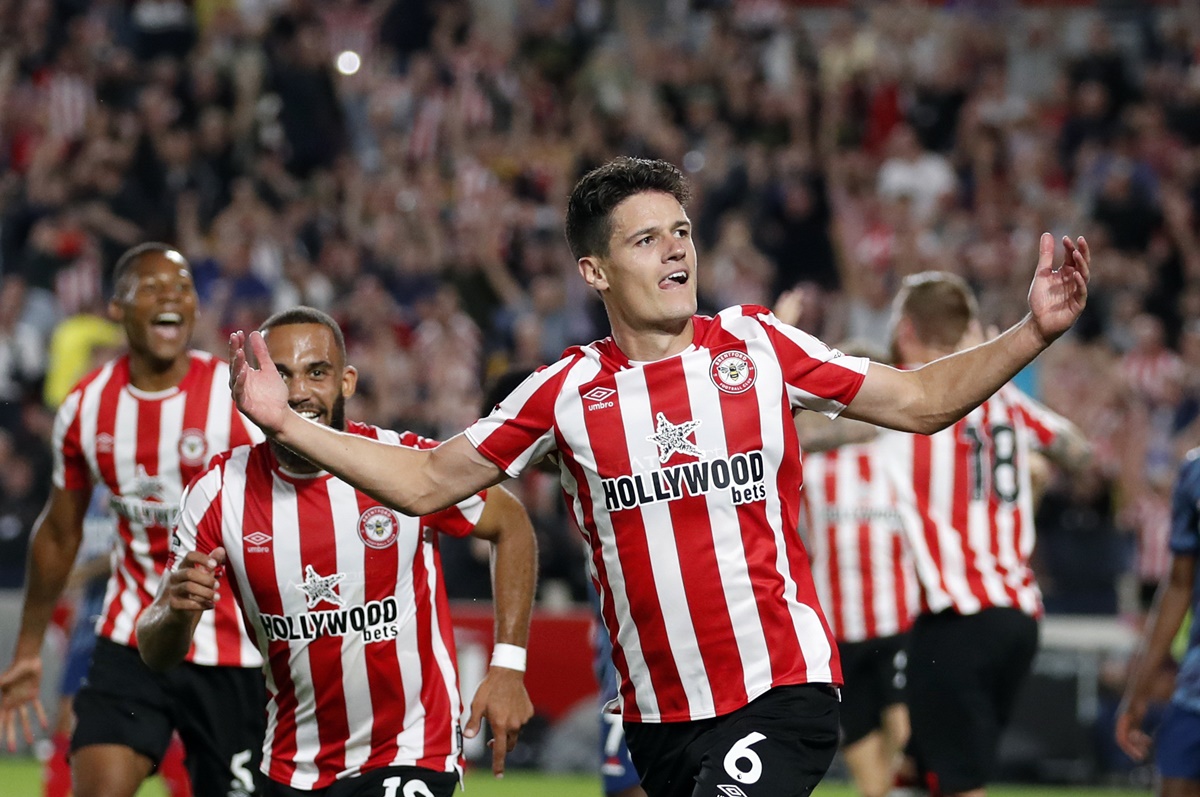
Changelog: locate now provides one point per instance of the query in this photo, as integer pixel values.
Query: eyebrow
(653, 227)
(306, 366)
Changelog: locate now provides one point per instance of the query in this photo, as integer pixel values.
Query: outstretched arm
(416, 482)
(930, 398)
(164, 631)
(1170, 606)
(501, 697)
(56, 538)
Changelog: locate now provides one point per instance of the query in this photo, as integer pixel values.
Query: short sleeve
(199, 526)
(817, 377)
(1185, 507)
(520, 430)
(71, 471)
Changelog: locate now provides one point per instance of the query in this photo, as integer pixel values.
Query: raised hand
(1057, 295)
(502, 699)
(259, 392)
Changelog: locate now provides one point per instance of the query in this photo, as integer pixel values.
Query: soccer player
(142, 425)
(1178, 735)
(965, 498)
(867, 587)
(681, 468)
(345, 599)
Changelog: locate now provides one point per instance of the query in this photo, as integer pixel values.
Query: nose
(676, 250)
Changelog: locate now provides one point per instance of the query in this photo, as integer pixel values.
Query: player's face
(316, 374)
(156, 304)
(648, 277)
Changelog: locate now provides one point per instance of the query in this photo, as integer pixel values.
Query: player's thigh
(873, 671)
(108, 770)
(397, 782)
(220, 715)
(780, 745)
(121, 704)
(1177, 746)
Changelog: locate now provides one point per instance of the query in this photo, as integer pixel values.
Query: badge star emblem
(320, 588)
(671, 438)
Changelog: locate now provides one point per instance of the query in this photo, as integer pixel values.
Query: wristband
(510, 657)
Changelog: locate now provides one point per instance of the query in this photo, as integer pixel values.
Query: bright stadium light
(348, 62)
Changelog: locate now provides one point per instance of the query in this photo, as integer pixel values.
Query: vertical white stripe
(124, 458)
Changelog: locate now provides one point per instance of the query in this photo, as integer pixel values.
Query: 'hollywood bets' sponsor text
(741, 474)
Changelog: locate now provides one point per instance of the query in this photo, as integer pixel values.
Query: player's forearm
(515, 579)
(390, 474)
(949, 388)
(164, 635)
(1171, 605)
(51, 557)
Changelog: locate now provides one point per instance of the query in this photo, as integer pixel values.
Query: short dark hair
(307, 315)
(134, 254)
(589, 210)
(940, 305)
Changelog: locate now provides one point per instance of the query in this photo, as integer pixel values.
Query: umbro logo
(598, 397)
(731, 790)
(257, 542)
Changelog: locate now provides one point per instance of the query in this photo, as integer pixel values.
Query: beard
(290, 460)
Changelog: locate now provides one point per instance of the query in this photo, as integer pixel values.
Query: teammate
(1178, 735)
(965, 498)
(867, 587)
(345, 599)
(680, 464)
(142, 425)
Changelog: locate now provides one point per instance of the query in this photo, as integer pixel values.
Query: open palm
(259, 392)
(1057, 296)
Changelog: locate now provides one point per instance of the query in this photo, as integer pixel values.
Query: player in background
(1177, 739)
(680, 465)
(142, 425)
(966, 503)
(867, 588)
(344, 598)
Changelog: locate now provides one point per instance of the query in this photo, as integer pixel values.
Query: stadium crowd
(403, 165)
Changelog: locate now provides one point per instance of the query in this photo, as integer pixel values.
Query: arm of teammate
(930, 398)
(1171, 604)
(56, 537)
(164, 630)
(414, 481)
(501, 696)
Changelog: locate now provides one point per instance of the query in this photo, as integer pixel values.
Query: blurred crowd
(403, 164)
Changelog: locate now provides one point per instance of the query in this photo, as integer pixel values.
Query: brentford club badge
(378, 527)
(192, 447)
(733, 372)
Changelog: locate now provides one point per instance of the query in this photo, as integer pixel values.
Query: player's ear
(592, 270)
(116, 313)
(349, 381)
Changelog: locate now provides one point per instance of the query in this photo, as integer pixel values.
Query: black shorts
(874, 674)
(218, 711)
(384, 782)
(964, 673)
(779, 745)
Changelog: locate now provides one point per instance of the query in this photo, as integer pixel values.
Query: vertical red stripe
(318, 549)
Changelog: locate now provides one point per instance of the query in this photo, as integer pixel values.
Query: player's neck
(648, 345)
(292, 462)
(152, 376)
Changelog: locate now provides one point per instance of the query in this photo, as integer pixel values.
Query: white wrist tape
(508, 656)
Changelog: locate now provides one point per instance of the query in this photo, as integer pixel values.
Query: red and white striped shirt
(967, 505)
(861, 566)
(344, 598)
(684, 475)
(145, 447)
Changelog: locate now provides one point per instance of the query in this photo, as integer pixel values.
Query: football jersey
(683, 475)
(344, 598)
(966, 502)
(861, 567)
(145, 448)
(1185, 541)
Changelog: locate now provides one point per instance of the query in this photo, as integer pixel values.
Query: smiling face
(155, 302)
(648, 276)
(317, 377)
